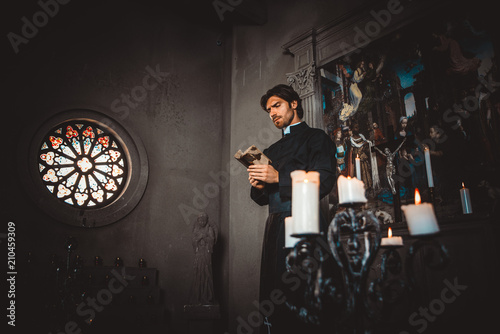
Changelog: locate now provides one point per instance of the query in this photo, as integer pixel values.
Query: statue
(341, 150)
(360, 147)
(204, 238)
(390, 168)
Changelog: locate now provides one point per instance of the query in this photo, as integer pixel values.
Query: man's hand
(256, 183)
(260, 174)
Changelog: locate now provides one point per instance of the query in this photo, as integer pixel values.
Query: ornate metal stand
(355, 259)
(357, 297)
(306, 260)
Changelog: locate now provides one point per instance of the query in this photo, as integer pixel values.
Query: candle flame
(389, 233)
(417, 197)
(348, 177)
(357, 156)
(306, 180)
(463, 186)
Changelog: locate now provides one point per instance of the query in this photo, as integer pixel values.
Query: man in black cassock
(300, 148)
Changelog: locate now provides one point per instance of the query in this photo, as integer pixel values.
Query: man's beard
(286, 121)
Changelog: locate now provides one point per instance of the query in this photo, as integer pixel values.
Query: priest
(300, 148)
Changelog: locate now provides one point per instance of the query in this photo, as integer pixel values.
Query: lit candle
(428, 168)
(350, 190)
(289, 240)
(466, 203)
(390, 240)
(358, 167)
(305, 201)
(420, 217)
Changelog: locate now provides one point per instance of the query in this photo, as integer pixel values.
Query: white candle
(428, 168)
(305, 201)
(466, 202)
(420, 217)
(367, 243)
(391, 240)
(350, 190)
(358, 168)
(289, 240)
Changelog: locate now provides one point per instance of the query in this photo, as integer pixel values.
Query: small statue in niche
(390, 168)
(360, 147)
(204, 238)
(384, 217)
(341, 150)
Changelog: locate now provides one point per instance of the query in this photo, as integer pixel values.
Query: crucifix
(268, 325)
(390, 169)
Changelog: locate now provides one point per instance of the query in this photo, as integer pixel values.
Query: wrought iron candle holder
(357, 299)
(306, 260)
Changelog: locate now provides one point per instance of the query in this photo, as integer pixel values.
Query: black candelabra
(347, 296)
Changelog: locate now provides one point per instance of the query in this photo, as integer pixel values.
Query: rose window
(82, 164)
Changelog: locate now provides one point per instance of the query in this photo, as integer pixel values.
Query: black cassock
(308, 149)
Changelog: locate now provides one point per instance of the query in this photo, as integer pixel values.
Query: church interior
(144, 90)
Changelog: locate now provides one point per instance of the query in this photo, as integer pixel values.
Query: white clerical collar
(287, 129)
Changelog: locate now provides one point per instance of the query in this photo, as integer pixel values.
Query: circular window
(82, 164)
(84, 168)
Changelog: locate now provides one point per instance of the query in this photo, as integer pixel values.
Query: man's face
(281, 112)
(434, 133)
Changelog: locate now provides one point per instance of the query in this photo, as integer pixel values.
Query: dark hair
(286, 93)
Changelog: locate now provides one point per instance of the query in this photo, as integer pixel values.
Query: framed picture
(430, 85)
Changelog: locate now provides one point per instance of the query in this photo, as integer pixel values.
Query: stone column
(304, 81)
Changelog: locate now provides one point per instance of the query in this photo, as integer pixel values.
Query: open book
(252, 156)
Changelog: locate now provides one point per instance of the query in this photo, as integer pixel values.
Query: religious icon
(390, 167)
(402, 85)
(340, 151)
(204, 238)
(355, 94)
(360, 147)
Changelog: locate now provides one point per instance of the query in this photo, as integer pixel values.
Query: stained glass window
(83, 164)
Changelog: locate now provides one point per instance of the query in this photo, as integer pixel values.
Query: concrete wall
(87, 56)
